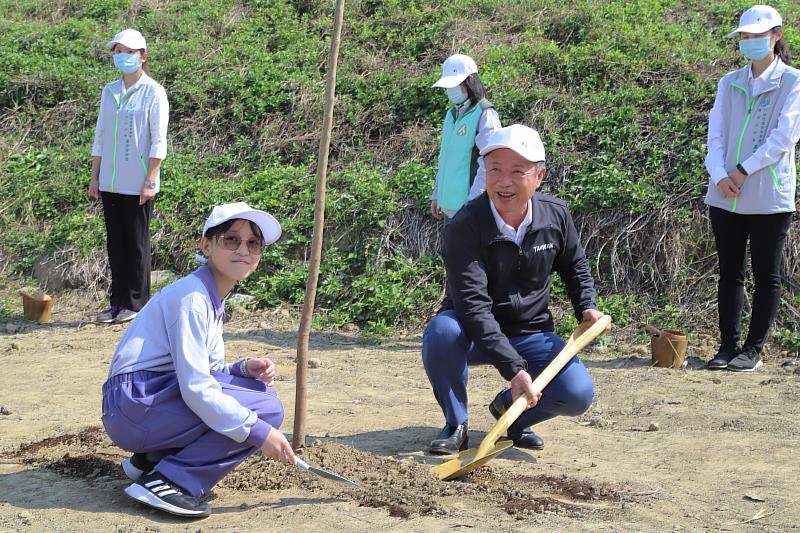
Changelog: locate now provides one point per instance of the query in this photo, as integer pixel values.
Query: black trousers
(128, 242)
(767, 235)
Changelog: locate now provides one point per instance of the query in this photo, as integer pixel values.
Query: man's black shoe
(524, 438)
(723, 358)
(747, 361)
(451, 440)
(158, 492)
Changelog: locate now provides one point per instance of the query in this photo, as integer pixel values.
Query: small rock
(654, 426)
(89, 326)
(593, 465)
(5, 410)
(314, 363)
(791, 363)
(263, 325)
(14, 346)
(242, 506)
(11, 328)
(716, 380)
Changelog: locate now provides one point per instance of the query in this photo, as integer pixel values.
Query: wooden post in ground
(299, 433)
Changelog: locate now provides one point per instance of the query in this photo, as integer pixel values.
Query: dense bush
(619, 89)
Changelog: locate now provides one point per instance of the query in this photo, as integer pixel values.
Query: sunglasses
(233, 242)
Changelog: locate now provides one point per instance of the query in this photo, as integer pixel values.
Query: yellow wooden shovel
(469, 460)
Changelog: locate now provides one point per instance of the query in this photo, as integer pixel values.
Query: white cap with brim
(523, 140)
(455, 70)
(130, 38)
(270, 228)
(758, 19)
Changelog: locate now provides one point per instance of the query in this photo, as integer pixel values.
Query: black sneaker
(158, 492)
(748, 360)
(723, 357)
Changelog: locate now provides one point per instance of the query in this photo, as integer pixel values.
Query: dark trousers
(128, 242)
(767, 235)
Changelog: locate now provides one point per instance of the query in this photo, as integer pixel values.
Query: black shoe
(451, 440)
(157, 491)
(723, 357)
(747, 361)
(523, 438)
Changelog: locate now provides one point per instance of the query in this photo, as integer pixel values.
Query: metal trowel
(469, 460)
(323, 473)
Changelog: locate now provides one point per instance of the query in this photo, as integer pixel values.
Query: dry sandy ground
(724, 456)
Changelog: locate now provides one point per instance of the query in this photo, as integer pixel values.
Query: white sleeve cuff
(718, 174)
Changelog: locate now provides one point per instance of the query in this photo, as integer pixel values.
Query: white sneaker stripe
(167, 493)
(160, 489)
(152, 483)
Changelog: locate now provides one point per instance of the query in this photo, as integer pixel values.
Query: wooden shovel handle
(573, 347)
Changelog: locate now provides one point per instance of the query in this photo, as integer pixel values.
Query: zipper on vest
(750, 104)
(118, 104)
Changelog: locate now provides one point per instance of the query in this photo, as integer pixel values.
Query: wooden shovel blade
(465, 462)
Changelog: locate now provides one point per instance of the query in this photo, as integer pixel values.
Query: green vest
(457, 156)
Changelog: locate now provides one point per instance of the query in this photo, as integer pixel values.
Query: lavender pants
(144, 412)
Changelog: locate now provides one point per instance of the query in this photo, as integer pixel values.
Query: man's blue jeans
(447, 352)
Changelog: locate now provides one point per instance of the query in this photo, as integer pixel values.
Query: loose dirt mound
(405, 488)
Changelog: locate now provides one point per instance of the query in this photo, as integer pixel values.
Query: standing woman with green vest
(752, 132)
(467, 126)
(130, 141)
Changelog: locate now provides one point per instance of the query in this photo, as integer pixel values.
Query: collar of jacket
(489, 231)
(772, 82)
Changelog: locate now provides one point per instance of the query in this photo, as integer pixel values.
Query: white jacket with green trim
(131, 128)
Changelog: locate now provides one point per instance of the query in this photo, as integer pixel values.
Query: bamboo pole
(299, 433)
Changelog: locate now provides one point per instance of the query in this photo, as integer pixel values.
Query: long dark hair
(475, 90)
(782, 49)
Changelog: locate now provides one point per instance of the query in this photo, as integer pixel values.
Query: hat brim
(493, 147)
(448, 82)
(752, 28)
(270, 228)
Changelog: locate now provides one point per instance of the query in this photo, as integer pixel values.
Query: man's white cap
(455, 70)
(522, 139)
(758, 19)
(130, 38)
(270, 228)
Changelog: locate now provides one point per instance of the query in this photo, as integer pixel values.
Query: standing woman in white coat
(130, 142)
(752, 132)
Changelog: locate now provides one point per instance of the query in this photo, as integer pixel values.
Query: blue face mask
(126, 63)
(456, 94)
(755, 49)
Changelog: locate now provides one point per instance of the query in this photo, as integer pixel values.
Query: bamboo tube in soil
(299, 433)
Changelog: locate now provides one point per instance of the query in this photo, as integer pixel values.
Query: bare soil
(659, 449)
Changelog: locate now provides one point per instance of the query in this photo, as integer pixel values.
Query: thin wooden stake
(299, 433)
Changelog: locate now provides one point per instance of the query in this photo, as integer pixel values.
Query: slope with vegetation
(619, 90)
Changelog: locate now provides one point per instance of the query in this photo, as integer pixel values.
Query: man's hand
(261, 369)
(591, 316)
(277, 447)
(94, 188)
(728, 188)
(435, 211)
(523, 384)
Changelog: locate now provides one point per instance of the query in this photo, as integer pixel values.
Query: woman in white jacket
(130, 142)
(752, 132)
